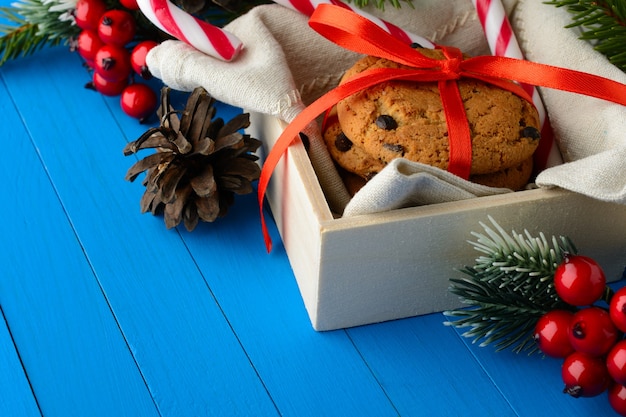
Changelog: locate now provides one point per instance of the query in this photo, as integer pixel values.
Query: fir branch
(509, 287)
(22, 40)
(32, 25)
(603, 23)
(51, 17)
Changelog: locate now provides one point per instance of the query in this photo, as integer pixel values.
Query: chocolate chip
(342, 143)
(530, 132)
(522, 122)
(394, 147)
(305, 140)
(386, 122)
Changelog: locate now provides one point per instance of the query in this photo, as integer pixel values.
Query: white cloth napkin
(286, 65)
(591, 133)
(407, 184)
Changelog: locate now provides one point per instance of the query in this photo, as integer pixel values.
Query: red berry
(584, 375)
(117, 27)
(617, 309)
(112, 62)
(617, 398)
(130, 4)
(552, 333)
(616, 362)
(592, 331)
(87, 13)
(138, 101)
(108, 88)
(138, 58)
(88, 44)
(579, 280)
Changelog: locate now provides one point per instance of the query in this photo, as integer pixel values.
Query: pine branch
(31, 27)
(19, 41)
(50, 16)
(603, 23)
(509, 288)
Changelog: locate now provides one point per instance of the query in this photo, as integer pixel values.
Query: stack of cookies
(366, 131)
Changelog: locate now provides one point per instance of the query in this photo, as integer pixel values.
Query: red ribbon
(358, 34)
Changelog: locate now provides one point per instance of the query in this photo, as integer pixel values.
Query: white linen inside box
(286, 65)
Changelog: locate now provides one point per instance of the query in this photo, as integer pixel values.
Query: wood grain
(165, 311)
(16, 396)
(68, 339)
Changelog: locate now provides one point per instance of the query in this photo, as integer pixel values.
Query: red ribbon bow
(354, 32)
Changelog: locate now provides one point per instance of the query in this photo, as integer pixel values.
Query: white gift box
(378, 267)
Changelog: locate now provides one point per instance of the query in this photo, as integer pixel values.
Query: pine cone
(200, 163)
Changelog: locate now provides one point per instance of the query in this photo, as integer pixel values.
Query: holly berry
(87, 13)
(138, 101)
(117, 27)
(106, 87)
(112, 62)
(552, 333)
(584, 375)
(87, 44)
(138, 58)
(616, 362)
(130, 4)
(592, 331)
(617, 309)
(617, 398)
(579, 280)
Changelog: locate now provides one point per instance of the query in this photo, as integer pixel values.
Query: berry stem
(607, 294)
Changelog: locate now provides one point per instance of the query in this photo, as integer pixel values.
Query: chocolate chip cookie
(406, 119)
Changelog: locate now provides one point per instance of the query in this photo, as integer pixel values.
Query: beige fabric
(591, 133)
(286, 65)
(407, 184)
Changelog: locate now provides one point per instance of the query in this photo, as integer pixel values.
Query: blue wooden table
(104, 312)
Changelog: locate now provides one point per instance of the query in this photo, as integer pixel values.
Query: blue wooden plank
(75, 357)
(424, 369)
(339, 383)
(16, 396)
(184, 346)
(534, 380)
(307, 373)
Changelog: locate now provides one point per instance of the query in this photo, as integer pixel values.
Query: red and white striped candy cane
(502, 42)
(307, 7)
(203, 36)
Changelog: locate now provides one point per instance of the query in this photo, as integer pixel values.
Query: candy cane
(502, 42)
(203, 36)
(307, 7)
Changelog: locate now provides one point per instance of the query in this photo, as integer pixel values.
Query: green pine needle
(22, 40)
(509, 287)
(603, 23)
(31, 26)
